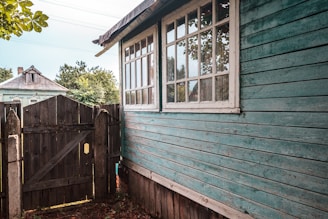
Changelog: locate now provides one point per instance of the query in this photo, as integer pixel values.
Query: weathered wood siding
(272, 159)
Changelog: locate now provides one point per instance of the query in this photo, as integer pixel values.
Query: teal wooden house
(29, 87)
(225, 107)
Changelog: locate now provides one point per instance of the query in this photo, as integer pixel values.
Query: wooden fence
(69, 152)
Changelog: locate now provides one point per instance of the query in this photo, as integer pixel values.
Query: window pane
(222, 48)
(181, 59)
(127, 76)
(144, 71)
(143, 46)
(131, 52)
(151, 69)
(127, 98)
(127, 54)
(150, 41)
(206, 52)
(206, 15)
(138, 97)
(133, 97)
(181, 27)
(181, 89)
(170, 33)
(206, 89)
(222, 9)
(193, 91)
(138, 49)
(170, 63)
(133, 75)
(145, 96)
(138, 70)
(192, 22)
(193, 56)
(170, 93)
(151, 94)
(222, 87)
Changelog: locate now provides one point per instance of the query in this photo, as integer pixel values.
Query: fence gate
(58, 142)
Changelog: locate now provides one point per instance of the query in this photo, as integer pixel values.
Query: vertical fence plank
(100, 154)
(12, 143)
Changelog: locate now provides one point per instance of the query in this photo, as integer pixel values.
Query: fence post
(100, 155)
(12, 133)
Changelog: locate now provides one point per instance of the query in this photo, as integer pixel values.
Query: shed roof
(41, 83)
(132, 20)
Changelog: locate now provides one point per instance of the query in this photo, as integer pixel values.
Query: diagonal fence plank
(58, 157)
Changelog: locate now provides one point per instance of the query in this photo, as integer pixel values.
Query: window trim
(142, 107)
(233, 104)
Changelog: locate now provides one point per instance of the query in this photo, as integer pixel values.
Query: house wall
(25, 96)
(271, 160)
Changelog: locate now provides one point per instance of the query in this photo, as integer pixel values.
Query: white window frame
(232, 104)
(153, 30)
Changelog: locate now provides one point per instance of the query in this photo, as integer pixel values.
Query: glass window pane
(206, 52)
(181, 92)
(127, 98)
(138, 49)
(143, 46)
(170, 93)
(151, 94)
(222, 48)
(127, 54)
(144, 71)
(133, 75)
(145, 96)
(138, 97)
(133, 97)
(206, 89)
(150, 42)
(170, 63)
(151, 69)
(170, 33)
(193, 91)
(181, 27)
(206, 15)
(181, 59)
(222, 87)
(193, 56)
(138, 70)
(127, 76)
(131, 52)
(222, 9)
(192, 22)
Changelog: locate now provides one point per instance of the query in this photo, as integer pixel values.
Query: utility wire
(81, 9)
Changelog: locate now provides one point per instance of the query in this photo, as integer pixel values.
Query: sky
(73, 25)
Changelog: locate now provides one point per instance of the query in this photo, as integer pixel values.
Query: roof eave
(138, 20)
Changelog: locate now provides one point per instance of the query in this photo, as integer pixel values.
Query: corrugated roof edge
(124, 21)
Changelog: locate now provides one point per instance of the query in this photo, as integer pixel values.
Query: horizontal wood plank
(297, 12)
(287, 45)
(293, 59)
(293, 89)
(294, 74)
(297, 27)
(55, 183)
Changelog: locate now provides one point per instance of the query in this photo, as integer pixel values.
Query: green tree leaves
(17, 17)
(92, 86)
(5, 74)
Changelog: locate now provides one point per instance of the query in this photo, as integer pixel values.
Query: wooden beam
(57, 128)
(58, 157)
(55, 183)
(191, 194)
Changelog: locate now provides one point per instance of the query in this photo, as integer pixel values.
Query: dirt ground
(119, 206)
